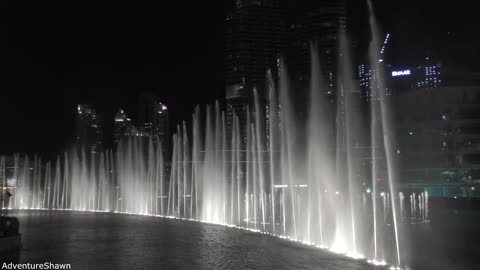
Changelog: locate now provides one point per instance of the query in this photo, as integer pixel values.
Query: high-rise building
(153, 119)
(88, 130)
(429, 74)
(425, 75)
(368, 76)
(438, 135)
(321, 22)
(152, 122)
(122, 126)
(260, 32)
(255, 34)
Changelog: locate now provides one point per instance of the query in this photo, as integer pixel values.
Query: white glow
(355, 255)
(11, 182)
(401, 73)
(378, 263)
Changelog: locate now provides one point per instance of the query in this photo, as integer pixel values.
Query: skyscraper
(122, 126)
(368, 76)
(437, 134)
(260, 32)
(255, 34)
(153, 119)
(318, 21)
(152, 122)
(88, 130)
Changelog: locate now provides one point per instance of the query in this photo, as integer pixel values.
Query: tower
(88, 130)
(122, 126)
(255, 37)
(153, 119)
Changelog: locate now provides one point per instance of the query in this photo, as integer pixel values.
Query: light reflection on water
(108, 241)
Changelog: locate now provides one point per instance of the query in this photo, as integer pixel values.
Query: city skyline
(239, 134)
(104, 51)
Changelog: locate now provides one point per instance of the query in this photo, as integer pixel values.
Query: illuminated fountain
(300, 179)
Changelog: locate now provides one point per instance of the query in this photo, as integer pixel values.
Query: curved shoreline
(358, 257)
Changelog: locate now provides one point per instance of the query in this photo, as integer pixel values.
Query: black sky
(56, 54)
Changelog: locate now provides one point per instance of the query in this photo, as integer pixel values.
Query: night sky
(56, 54)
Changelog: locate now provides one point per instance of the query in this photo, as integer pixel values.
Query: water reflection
(108, 241)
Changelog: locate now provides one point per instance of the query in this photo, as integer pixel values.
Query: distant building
(255, 33)
(319, 21)
(438, 134)
(425, 75)
(260, 32)
(122, 126)
(368, 76)
(398, 78)
(88, 130)
(153, 119)
(401, 78)
(254, 41)
(152, 122)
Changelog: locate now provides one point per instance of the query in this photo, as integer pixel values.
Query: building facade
(424, 75)
(259, 33)
(317, 22)
(255, 34)
(152, 122)
(153, 119)
(122, 126)
(88, 129)
(438, 134)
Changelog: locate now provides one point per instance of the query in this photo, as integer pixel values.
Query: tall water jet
(347, 90)
(259, 138)
(385, 121)
(287, 125)
(273, 144)
(282, 169)
(318, 140)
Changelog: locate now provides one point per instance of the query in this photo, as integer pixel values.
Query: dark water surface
(109, 241)
(450, 242)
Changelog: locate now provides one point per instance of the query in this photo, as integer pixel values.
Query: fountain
(300, 179)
